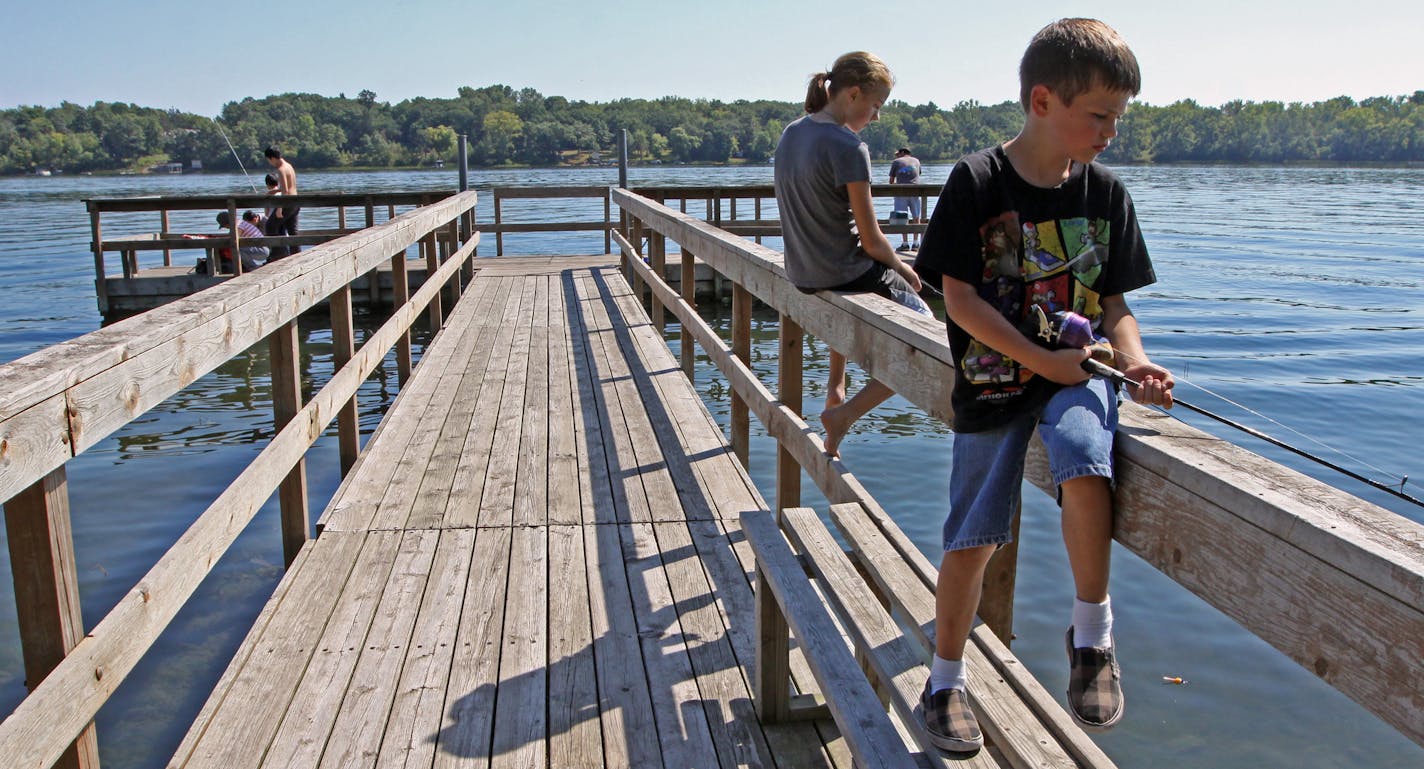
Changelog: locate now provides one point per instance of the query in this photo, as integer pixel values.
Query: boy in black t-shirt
(1037, 223)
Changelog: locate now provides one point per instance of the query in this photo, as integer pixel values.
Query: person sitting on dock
(286, 185)
(822, 179)
(1076, 78)
(252, 256)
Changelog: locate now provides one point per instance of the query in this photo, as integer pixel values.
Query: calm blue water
(1291, 291)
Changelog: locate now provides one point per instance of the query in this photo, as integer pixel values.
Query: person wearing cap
(905, 169)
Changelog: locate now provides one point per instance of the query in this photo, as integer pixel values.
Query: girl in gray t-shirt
(832, 237)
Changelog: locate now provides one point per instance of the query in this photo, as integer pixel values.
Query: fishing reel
(1062, 329)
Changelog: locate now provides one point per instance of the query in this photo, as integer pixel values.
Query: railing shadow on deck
(1252, 538)
(58, 402)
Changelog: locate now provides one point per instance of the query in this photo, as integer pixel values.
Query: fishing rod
(1069, 329)
(235, 155)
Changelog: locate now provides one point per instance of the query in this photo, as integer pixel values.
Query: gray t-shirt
(814, 162)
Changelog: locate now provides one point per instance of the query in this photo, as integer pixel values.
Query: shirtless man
(286, 185)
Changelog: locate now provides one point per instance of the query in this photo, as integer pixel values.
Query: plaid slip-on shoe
(1094, 687)
(950, 722)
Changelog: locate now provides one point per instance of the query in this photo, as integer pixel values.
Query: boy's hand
(1156, 384)
(1063, 366)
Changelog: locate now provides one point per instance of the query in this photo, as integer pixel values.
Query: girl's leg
(835, 383)
(838, 420)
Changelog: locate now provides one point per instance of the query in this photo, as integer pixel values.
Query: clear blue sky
(197, 55)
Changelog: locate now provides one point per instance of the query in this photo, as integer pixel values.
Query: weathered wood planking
(1364, 554)
(509, 644)
(59, 401)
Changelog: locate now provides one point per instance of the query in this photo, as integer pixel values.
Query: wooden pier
(549, 554)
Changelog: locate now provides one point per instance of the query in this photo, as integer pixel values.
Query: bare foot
(836, 424)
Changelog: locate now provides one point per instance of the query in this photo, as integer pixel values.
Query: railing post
(47, 591)
(498, 231)
(637, 242)
(657, 258)
(432, 263)
(688, 285)
(742, 348)
(341, 217)
(236, 241)
(464, 163)
(623, 158)
(101, 286)
(756, 211)
(343, 344)
(286, 403)
(455, 285)
(163, 233)
(400, 294)
(789, 384)
(772, 670)
(996, 604)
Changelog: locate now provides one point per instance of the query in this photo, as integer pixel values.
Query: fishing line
(235, 155)
(1104, 370)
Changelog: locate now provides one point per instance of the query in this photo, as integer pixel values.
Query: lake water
(1292, 291)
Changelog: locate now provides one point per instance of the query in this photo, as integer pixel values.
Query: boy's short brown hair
(1071, 56)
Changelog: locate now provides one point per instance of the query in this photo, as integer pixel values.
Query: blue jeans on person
(986, 478)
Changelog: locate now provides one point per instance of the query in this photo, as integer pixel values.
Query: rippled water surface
(1291, 291)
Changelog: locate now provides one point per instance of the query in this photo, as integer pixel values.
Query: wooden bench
(865, 620)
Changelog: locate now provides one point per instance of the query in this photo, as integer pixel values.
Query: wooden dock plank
(575, 732)
(242, 718)
(497, 500)
(521, 721)
(360, 722)
(417, 711)
(358, 499)
(564, 406)
(306, 725)
(467, 488)
(464, 738)
(432, 499)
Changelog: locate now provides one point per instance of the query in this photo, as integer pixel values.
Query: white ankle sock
(946, 674)
(1092, 624)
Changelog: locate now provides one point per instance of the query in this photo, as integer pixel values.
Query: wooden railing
(1284, 555)
(60, 401)
(168, 242)
(726, 207)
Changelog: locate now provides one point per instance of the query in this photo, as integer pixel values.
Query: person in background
(252, 256)
(832, 237)
(1018, 228)
(286, 185)
(272, 224)
(905, 169)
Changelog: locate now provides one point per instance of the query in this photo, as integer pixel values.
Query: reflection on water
(1293, 291)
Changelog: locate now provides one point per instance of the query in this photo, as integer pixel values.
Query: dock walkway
(536, 561)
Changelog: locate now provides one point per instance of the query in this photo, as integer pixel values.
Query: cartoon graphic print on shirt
(1051, 264)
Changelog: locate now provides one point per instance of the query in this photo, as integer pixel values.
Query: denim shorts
(1076, 425)
(882, 281)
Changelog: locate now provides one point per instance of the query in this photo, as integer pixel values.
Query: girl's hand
(1156, 384)
(908, 273)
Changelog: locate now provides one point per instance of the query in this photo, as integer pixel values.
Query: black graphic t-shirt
(1060, 249)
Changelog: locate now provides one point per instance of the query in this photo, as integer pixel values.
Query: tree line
(506, 126)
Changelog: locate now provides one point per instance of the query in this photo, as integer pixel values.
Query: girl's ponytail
(816, 95)
(856, 68)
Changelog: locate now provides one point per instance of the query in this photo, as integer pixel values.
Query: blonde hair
(857, 68)
(1071, 56)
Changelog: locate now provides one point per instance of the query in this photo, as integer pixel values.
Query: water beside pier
(1292, 291)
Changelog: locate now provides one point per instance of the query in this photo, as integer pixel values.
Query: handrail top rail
(1380, 546)
(251, 200)
(49, 373)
